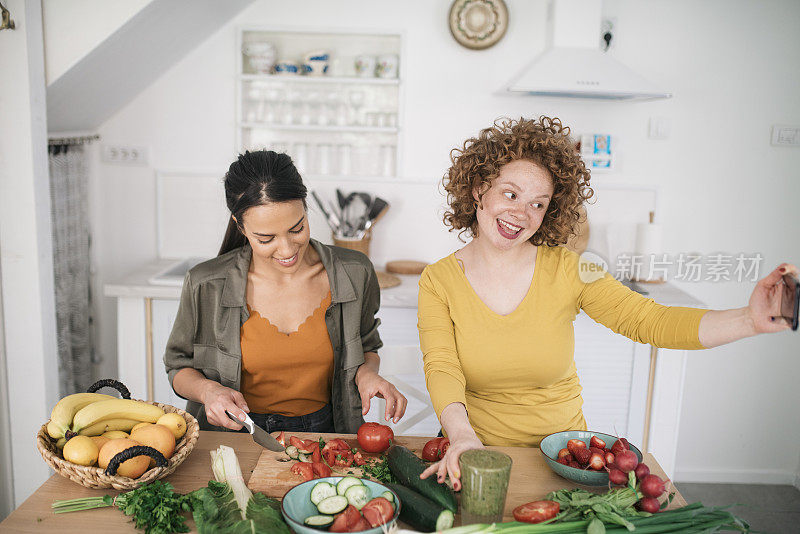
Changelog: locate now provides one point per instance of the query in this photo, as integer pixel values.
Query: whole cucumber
(407, 467)
(420, 512)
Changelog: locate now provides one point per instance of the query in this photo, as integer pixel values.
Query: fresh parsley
(379, 470)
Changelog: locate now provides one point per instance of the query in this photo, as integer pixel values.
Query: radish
(595, 450)
(652, 486)
(597, 442)
(575, 444)
(596, 462)
(617, 477)
(582, 456)
(609, 458)
(641, 471)
(562, 453)
(649, 504)
(626, 461)
(620, 445)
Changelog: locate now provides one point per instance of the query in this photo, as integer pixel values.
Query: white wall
(72, 29)
(26, 266)
(733, 69)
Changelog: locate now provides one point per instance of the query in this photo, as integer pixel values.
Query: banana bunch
(65, 410)
(92, 414)
(105, 410)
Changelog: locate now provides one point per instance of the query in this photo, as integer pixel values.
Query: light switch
(785, 135)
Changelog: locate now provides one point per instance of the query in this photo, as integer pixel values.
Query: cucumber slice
(322, 491)
(303, 457)
(291, 451)
(346, 482)
(303, 451)
(332, 505)
(318, 520)
(388, 495)
(358, 495)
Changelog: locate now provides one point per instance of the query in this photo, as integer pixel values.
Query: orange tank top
(287, 374)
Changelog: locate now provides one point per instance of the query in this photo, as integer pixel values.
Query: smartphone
(790, 299)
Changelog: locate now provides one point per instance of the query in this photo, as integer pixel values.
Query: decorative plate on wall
(478, 24)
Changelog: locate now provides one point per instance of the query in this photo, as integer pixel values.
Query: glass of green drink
(484, 483)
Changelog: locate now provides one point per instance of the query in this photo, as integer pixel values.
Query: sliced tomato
(282, 438)
(330, 457)
(344, 458)
(361, 526)
(321, 470)
(297, 442)
(339, 523)
(352, 515)
(336, 444)
(536, 511)
(316, 456)
(358, 459)
(378, 511)
(430, 452)
(303, 469)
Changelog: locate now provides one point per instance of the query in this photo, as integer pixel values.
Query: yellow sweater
(516, 373)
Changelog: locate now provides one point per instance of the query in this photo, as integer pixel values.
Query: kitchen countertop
(531, 480)
(137, 285)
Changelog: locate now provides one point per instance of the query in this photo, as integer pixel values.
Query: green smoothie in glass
(484, 483)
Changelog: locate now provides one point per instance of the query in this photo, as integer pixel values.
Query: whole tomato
(374, 437)
(434, 450)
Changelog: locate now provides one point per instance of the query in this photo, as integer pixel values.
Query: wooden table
(531, 480)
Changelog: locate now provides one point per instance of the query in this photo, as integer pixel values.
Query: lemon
(174, 422)
(81, 450)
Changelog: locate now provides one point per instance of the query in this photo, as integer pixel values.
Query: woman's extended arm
(761, 315)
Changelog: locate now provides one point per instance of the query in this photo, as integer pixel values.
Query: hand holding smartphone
(790, 299)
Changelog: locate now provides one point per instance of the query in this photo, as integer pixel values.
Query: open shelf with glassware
(332, 101)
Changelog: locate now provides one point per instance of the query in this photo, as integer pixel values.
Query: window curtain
(71, 240)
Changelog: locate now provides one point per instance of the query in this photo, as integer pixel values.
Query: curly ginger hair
(546, 143)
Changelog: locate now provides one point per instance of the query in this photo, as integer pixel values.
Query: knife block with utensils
(354, 243)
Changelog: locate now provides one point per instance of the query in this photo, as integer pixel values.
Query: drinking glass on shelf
(387, 160)
(324, 159)
(300, 156)
(304, 115)
(345, 166)
(391, 120)
(356, 98)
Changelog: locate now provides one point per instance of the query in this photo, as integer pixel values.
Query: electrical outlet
(783, 135)
(125, 155)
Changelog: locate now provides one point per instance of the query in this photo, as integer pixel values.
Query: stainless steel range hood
(573, 66)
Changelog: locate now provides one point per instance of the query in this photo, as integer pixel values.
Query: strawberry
(597, 442)
(583, 456)
(574, 444)
(562, 453)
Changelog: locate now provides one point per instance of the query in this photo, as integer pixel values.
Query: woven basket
(95, 477)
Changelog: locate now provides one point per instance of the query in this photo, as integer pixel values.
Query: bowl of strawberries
(589, 458)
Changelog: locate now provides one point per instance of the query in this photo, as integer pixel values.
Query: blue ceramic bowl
(553, 443)
(297, 505)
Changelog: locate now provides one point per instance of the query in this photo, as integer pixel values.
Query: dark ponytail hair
(254, 179)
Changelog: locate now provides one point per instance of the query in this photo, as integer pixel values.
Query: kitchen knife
(260, 435)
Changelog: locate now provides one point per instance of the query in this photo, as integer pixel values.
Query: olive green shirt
(213, 307)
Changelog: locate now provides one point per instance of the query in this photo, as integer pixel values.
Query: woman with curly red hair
(496, 317)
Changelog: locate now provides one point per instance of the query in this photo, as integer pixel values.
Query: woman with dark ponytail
(278, 325)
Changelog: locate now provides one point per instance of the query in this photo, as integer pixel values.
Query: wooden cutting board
(273, 478)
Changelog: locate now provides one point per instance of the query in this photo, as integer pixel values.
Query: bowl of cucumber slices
(340, 504)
